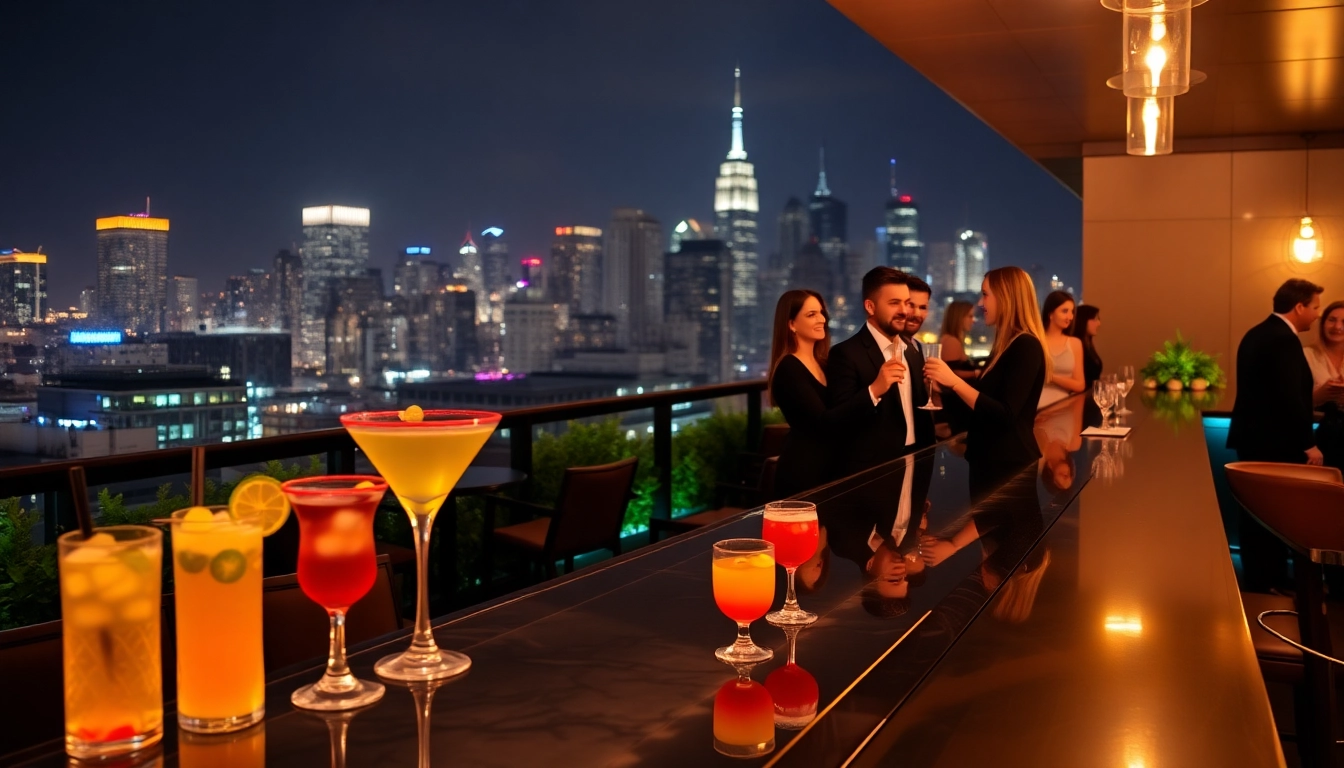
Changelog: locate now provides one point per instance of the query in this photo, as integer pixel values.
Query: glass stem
(744, 634)
(424, 699)
(337, 729)
(422, 642)
(338, 677)
(790, 598)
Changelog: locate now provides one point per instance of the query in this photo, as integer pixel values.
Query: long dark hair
(1054, 301)
(1085, 314)
(783, 342)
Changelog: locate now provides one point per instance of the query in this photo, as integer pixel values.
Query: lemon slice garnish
(260, 496)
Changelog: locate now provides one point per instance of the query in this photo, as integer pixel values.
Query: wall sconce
(1306, 249)
(1150, 126)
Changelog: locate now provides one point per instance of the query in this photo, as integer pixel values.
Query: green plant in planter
(1177, 361)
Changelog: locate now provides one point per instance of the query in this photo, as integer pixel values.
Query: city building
(335, 245)
(699, 291)
(355, 326)
(504, 392)
(258, 358)
(811, 271)
(132, 272)
(736, 205)
(248, 300)
(632, 274)
(590, 332)
(900, 231)
(972, 250)
(942, 269)
(287, 287)
(687, 229)
(415, 274)
(86, 351)
(496, 269)
(181, 408)
(530, 334)
(183, 303)
(576, 269)
(289, 414)
(88, 300)
(532, 274)
(828, 217)
(794, 232)
(23, 287)
(473, 273)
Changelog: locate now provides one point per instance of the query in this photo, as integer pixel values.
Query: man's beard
(894, 327)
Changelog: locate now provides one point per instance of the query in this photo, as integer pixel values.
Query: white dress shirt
(892, 349)
(1289, 322)
(901, 525)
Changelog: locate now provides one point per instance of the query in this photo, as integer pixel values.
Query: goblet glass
(744, 587)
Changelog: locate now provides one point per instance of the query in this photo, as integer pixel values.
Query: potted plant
(1178, 366)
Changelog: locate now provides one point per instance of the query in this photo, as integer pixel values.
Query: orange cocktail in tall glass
(422, 454)
(337, 566)
(111, 586)
(744, 587)
(792, 527)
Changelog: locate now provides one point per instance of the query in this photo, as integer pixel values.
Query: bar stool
(1304, 507)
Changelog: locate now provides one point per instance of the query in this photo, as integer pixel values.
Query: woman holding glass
(1086, 323)
(1003, 400)
(1066, 351)
(1326, 357)
(798, 350)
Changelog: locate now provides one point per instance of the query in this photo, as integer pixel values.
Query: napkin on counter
(1109, 432)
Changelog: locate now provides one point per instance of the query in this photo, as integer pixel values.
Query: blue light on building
(95, 337)
(493, 231)
(418, 250)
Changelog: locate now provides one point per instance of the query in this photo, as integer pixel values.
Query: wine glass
(744, 587)
(1103, 392)
(932, 352)
(1124, 383)
(791, 526)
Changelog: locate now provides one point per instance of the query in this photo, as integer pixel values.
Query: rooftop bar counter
(1063, 618)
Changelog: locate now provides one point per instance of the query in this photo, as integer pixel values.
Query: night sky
(444, 115)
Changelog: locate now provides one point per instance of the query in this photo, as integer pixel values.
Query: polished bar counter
(1060, 619)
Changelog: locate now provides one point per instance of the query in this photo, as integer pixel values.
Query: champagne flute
(1124, 383)
(932, 352)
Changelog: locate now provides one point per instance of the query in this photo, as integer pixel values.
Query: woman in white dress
(1066, 350)
(1326, 357)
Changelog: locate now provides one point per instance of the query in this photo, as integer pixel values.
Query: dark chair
(746, 498)
(1304, 507)
(588, 516)
(772, 439)
(296, 629)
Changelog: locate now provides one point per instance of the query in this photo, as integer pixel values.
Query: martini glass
(421, 460)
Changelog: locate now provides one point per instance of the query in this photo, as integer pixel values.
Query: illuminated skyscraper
(632, 274)
(904, 251)
(415, 273)
(687, 229)
(576, 269)
(828, 218)
(533, 275)
(23, 287)
(495, 266)
(736, 205)
(471, 271)
(184, 298)
(972, 260)
(132, 272)
(699, 291)
(336, 245)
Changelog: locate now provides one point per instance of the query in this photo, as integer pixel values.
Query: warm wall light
(1150, 126)
(1124, 625)
(1156, 59)
(1306, 248)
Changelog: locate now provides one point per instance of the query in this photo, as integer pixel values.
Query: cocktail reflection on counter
(338, 730)
(744, 719)
(793, 689)
(240, 749)
(423, 692)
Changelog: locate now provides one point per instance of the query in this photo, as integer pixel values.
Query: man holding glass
(1272, 416)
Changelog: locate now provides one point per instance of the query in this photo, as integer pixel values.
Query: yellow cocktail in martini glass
(421, 455)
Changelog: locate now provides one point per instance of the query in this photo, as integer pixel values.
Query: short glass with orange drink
(744, 587)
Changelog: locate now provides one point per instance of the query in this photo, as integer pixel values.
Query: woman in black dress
(798, 350)
(1086, 323)
(999, 439)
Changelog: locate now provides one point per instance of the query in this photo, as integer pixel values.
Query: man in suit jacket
(878, 366)
(1272, 416)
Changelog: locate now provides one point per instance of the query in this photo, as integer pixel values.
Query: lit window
(198, 398)
(107, 403)
(138, 400)
(240, 425)
(160, 401)
(163, 432)
(214, 398)
(175, 399)
(188, 431)
(228, 426)
(174, 432)
(226, 397)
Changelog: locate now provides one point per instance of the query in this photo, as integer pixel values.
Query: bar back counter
(1064, 618)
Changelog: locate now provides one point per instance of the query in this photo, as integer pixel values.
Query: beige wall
(1199, 242)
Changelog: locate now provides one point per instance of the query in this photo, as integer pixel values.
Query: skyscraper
(686, 229)
(287, 285)
(793, 233)
(736, 205)
(904, 251)
(532, 274)
(530, 336)
(184, 296)
(495, 266)
(972, 260)
(415, 274)
(943, 269)
(249, 298)
(23, 287)
(699, 290)
(576, 269)
(132, 272)
(632, 274)
(471, 271)
(828, 218)
(88, 301)
(336, 245)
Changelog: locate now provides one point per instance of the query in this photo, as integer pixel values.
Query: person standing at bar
(1066, 352)
(1086, 323)
(916, 311)
(798, 353)
(861, 365)
(1000, 438)
(1272, 416)
(1326, 356)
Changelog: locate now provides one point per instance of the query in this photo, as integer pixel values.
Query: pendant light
(1307, 246)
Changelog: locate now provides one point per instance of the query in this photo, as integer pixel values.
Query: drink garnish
(260, 496)
(228, 566)
(412, 413)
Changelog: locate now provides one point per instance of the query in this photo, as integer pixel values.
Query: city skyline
(558, 138)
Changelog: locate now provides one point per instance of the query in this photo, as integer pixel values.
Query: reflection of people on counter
(1003, 401)
(882, 538)
(1058, 434)
(811, 575)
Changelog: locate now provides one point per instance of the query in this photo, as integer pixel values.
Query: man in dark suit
(1272, 416)
(878, 366)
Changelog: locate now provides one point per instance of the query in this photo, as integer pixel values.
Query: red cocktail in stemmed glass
(792, 527)
(337, 566)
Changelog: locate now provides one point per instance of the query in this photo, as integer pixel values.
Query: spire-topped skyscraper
(900, 231)
(736, 204)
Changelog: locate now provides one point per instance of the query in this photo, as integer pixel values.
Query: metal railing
(51, 479)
